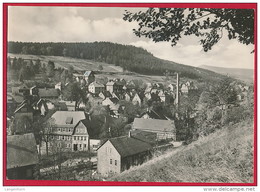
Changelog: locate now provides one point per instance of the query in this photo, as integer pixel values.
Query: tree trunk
(47, 147)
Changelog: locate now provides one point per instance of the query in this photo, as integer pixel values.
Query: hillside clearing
(225, 156)
(65, 62)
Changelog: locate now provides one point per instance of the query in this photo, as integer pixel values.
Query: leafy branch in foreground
(170, 24)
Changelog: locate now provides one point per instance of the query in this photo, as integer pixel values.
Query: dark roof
(21, 150)
(61, 106)
(48, 92)
(114, 100)
(155, 125)
(145, 136)
(154, 115)
(127, 146)
(96, 84)
(107, 94)
(141, 95)
(88, 124)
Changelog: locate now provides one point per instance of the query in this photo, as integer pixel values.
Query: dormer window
(69, 120)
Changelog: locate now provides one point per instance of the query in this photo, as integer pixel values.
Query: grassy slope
(83, 64)
(224, 156)
(65, 62)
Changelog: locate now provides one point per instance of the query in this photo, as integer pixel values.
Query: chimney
(129, 134)
(177, 91)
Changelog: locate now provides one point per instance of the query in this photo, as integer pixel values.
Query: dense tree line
(128, 57)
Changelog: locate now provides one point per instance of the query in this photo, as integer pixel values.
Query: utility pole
(177, 92)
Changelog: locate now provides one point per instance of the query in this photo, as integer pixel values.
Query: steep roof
(106, 94)
(154, 114)
(140, 95)
(96, 84)
(127, 146)
(86, 124)
(114, 100)
(87, 73)
(110, 83)
(154, 125)
(48, 92)
(21, 150)
(148, 137)
(60, 117)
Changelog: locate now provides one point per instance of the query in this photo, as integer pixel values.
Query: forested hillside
(128, 57)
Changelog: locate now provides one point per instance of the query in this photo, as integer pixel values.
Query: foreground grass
(225, 156)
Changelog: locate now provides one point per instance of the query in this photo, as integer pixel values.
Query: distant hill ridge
(237, 73)
(128, 57)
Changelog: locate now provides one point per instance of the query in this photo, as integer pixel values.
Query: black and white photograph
(131, 94)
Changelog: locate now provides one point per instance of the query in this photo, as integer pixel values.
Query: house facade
(165, 129)
(96, 88)
(115, 87)
(138, 99)
(120, 153)
(69, 130)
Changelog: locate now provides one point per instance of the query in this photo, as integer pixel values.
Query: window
(75, 138)
(80, 145)
(69, 145)
(69, 120)
(111, 161)
(82, 138)
(58, 137)
(85, 138)
(115, 162)
(85, 146)
(63, 138)
(59, 129)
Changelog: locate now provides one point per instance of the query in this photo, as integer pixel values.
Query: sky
(89, 24)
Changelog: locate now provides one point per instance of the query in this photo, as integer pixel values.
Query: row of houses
(71, 130)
